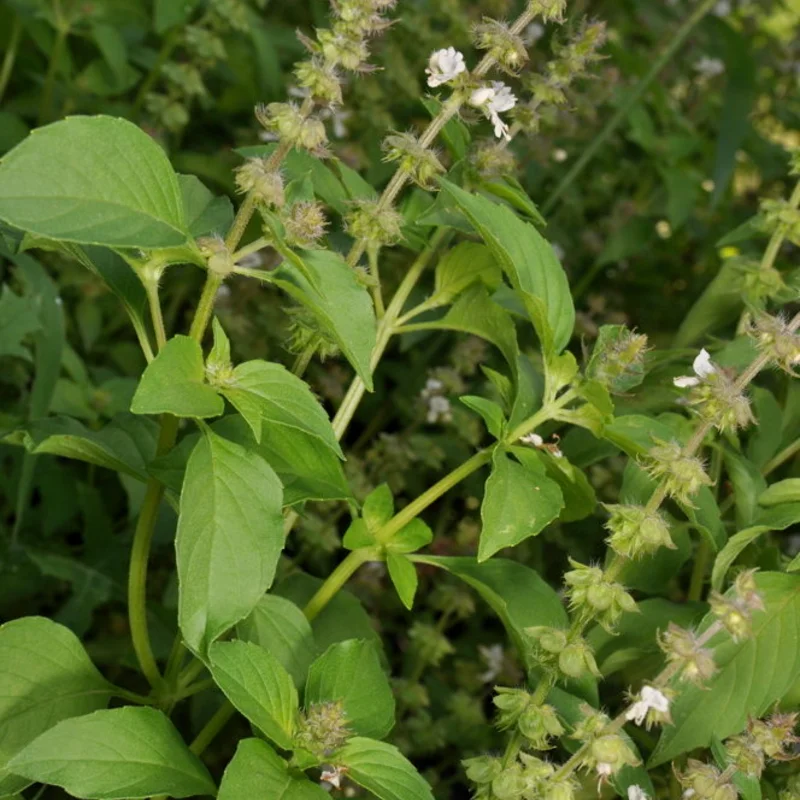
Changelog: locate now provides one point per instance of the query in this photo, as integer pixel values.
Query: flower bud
(596, 597)
(608, 754)
(218, 258)
(322, 729)
(304, 224)
(781, 216)
(563, 789)
(719, 400)
(774, 736)
(683, 476)
(618, 358)
(266, 184)
(483, 769)
(419, 163)
(285, 120)
(509, 784)
(538, 724)
(343, 48)
(511, 703)
(704, 782)
(374, 225)
(683, 648)
(501, 44)
(549, 10)
(576, 659)
(745, 754)
(775, 337)
(635, 532)
(492, 160)
(320, 80)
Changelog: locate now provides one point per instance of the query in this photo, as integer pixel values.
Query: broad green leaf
(459, 268)
(339, 302)
(126, 444)
(258, 685)
(475, 313)
(519, 501)
(280, 627)
(732, 550)
(204, 213)
(780, 517)
(748, 485)
(268, 393)
(18, 318)
(173, 383)
(351, 672)
(93, 180)
(257, 772)
(752, 674)
(766, 438)
(382, 769)
(358, 535)
(529, 262)
(403, 574)
(343, 618)
(579, 496)
(46, 677)
(410, 537)
(785, 491)
(378, 507)
(511, 190)
(489, 411)
(230, 535)
(124, 753)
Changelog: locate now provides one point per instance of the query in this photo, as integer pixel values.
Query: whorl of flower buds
(780, 216)
(683, 475)
(305, 224)
(536, 722)
(636, 532)
(618, 358)
(286, 121)
(322, 729)
(775, 337)
(421, 164)
(492, 160)
(607, 753)
(705, 782)
(501, 44)
(374, 225)
(721, 402)
(320, 80)
(775, 735)
(548, 10)
(218, 258)
(595, 597)
(554, 651)
(683, 648)
(735, 609)
(757, 282)
(266, 184)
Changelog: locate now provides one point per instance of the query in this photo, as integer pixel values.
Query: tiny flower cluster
(594, 596)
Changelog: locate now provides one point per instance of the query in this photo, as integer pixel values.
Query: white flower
(533, 33)
(439, 410)
(709, 67)
(444, 66)
(532, 438)
(604, 770)
(494, 657)
(333, 776)
(636, 793)
(649, 698)
(493, 100)
(702, 367)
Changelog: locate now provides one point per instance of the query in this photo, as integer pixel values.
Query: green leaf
(343, 618)
(410, 537)
(280, 627)
(46, 677)
(785, 491)
(257, 772)
(520, 500)
(732, 550)
(351, 672)
(268, 393)
(382, 769)
(459, 268)
(126, 444)
(124, 753)
(358, 535)
(173, 383)
(229, 539)
(489, 411)
(403, 574)
(748, 485)
(378, 507)
(259, 686)
(529, 262)
(204, 213)
(18, 318)
(341, 305)
(752, 674)
(579, 496)
(475, 313)
(93, 180)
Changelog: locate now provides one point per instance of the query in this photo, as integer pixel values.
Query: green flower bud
(564, 789)
(618, 358)
(374, 225)
(608, 754)
(775, 337)
(780, 216)
(745, 754)
(320, 80)
(218, 258)
(265, 183)
(322, 729)
(501, 44)
(775, 736)
(576, 659)
(549, 10)
(683, 476)
(292, 127)
(343, 48)
(635, 532)
(597, 598)
(304, 224)
(509, 784)
(492, 160)
(704, 782)
(682, 647)
(510, 703)
(419, 163)
(733, 613)
(539, 724)
(483, 769)
(718, 400)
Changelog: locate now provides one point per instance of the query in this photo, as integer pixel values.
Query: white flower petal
(532, 438)
(685, 381)
(655, 699)
(702, 365)
(636, 793)
(444, 66)
(637, 712)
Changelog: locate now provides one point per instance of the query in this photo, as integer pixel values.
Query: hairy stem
(151, 288)
(631, 100)
(205, 306)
